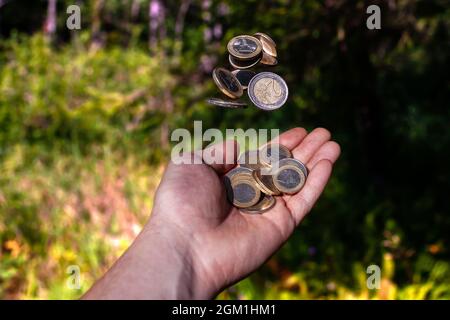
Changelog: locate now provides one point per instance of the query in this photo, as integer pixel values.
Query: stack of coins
(266, 90)
(263, 174)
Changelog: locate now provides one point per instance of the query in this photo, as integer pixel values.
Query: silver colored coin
(233, 104)
(273, 152)
(244, 47)
(265, 183)
(227, 83)
(241, 188)
(268, 91)
(245, 192)
(289, 180)
(244, 77)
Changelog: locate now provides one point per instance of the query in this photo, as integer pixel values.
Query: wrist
(184, 274)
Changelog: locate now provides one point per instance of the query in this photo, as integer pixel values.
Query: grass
(68, 211)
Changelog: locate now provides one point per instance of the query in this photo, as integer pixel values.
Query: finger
(221, 156)
(330, 150)
(291, 138)
(310, 144)
(301, 203)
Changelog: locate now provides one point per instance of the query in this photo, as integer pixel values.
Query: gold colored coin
(227, 180)
(268, 91)
(227, 83)
(245, 192)
(268, 46)
(269, 60)
(244, 47)
(266, 37)
(289, 179)
(293, 162)
(266, 203)
(232, 104)
(273, 152)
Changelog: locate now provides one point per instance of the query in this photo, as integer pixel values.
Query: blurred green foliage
(85, 119)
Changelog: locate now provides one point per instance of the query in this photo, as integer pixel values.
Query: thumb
(221, 156)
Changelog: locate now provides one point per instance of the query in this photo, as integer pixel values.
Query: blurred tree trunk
(156, 35)
(135, 9)
(96, 35)
(50, 21)
(179, 28)
(157, 29)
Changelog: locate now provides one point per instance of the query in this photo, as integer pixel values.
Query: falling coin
(268, 91)
(265, 183)
(269, 60)
(233, 104)
(266, 203)
(244, 47)
(289, 179)
(265, 36)
(227, 83)
(268, 45)
(243, 64)
(244, 77)
(273, 152)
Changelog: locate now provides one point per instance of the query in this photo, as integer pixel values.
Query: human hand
(225, 244)
(196, 243)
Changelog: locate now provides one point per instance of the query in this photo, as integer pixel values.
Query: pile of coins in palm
(261, 175)
(266, 90)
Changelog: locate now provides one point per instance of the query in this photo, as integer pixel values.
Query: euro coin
(230, 174)
(289, 179)
(243, 64)
(268, 45)
(233, 104)
(227, 83)
(244, 77)
(265, 36)
(245, 191)
(266, 203)
(293, 162)
(250, 159)
(273, 152)
(265, 183)
(268, 91)
(269, 60)
(244, 47)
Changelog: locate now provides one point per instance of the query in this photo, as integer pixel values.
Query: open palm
(226, 243)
